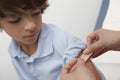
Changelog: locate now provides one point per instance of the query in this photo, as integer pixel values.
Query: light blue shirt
(55, 49)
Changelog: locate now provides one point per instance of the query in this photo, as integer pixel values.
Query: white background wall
(69, 18)
(77, 17)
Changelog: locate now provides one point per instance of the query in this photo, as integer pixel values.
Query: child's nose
(30, 26)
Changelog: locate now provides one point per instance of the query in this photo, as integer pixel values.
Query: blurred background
(79, 17)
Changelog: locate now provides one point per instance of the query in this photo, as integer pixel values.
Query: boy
(38, 50)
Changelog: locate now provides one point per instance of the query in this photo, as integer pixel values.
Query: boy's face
(24, 29)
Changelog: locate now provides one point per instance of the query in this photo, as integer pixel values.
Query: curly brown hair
(17, 7)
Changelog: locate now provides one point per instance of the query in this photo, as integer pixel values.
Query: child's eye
(36, 13)
(15, 21)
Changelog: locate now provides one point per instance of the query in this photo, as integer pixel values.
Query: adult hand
(101, 41)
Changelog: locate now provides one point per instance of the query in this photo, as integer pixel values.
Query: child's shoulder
(56, 30)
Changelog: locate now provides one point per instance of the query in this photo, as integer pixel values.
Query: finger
(68, 66)
(91, 38)
(93, 48)
(73, 68)
(100, 52)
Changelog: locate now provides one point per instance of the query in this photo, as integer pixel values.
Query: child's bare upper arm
(90, 65)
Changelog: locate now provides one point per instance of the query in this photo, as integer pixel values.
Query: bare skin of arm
(80, 72)
(79, 69)
(91, 66)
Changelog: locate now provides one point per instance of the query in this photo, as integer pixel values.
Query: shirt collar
(45, 44)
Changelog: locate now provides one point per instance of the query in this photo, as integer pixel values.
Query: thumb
(68, 66)
(94, 47)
